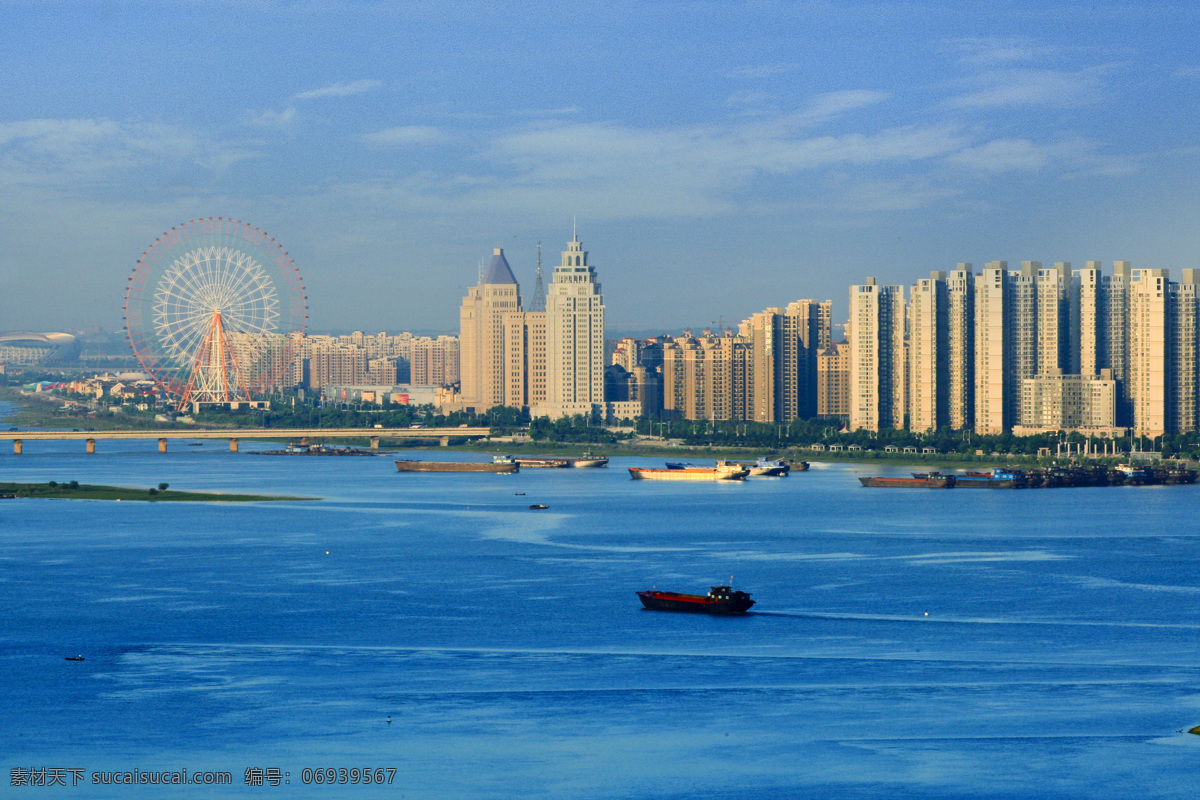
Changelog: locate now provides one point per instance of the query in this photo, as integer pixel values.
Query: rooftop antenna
(539, 291)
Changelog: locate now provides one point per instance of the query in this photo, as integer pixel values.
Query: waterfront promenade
(373, 435)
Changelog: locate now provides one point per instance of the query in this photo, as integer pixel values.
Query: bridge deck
(253, 433)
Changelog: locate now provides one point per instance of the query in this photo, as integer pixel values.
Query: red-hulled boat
(719, 600)
(932, 480)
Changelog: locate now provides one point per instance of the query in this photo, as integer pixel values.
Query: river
(906, 643)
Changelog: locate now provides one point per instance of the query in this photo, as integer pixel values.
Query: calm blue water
(909, 644)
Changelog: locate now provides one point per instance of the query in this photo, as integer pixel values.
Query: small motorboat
(75, 658)
(519, 494)
(538, 506)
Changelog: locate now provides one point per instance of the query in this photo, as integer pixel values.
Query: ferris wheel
(215, 311)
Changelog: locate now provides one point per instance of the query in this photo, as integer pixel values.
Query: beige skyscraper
(928, 360)
(808, 330)
(1183, 416)
(1086, 315)
(960, 348)
(1148, 350)
(574, 337)
(1053, 292)
(482, 356)
(877, 356)
(990, 347)
(1021, 335)
(764, 339)
(1114, 330)
(833, 380)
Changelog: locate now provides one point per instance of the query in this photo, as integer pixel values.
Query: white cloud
(403, 135)
(989, 51)
(833, 104)
(1002, 155)
(340, 90)
(762, 71)
(280, 120)
(550, 112)
(68, 151)
(1073, 157)
(1030, 87)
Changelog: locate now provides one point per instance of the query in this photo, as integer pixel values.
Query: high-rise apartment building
(877, 357)
(1056, 401)
(929, 353)
(1053, 320)
(991, 348)
(1183, 332)
(435, 361)
(833, 380)
(1149, 301)
(960, 348)
(1086, 313)
(1114, 329)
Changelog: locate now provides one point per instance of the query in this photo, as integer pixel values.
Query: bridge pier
(445, 441)
(18, 447)
(374, 442)
(162, 445)
(233, 445)
(91, 447)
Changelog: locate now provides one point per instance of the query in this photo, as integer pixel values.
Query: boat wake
(924, 619)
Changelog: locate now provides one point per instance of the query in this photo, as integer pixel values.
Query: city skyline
(758, 152)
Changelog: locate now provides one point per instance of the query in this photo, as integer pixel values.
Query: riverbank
(66, 491)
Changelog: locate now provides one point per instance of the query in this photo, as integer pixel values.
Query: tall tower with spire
(574, 336)
(539, 291)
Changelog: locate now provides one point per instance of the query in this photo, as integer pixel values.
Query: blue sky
(720, 157)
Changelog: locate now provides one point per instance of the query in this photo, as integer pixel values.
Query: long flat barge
(719, 473)
(412, 465)
(1049, 478)
(932, 481)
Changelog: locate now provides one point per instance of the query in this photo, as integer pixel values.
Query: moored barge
(500, 464)
(542, 462)
(933, 480)
(721, 472)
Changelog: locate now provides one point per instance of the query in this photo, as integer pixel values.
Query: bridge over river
(303, 435)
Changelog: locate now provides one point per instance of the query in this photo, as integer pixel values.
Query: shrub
(162, 487)
(153, 491)
(53, 484)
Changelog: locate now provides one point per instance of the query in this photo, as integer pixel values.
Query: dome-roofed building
(29, 349)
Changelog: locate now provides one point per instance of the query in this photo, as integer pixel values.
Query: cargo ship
(719, 600)
(766, 468)
(721, 472)
(588, 460)
(539, 462)
(996, 479)
(932, 480)
(499, 464)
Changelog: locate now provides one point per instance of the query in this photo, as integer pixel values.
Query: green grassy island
(77, 491)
